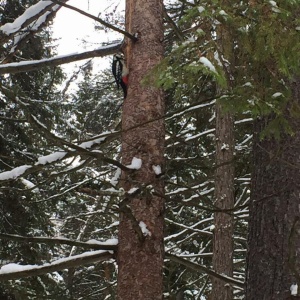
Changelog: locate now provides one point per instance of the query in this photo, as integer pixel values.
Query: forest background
(228, 115)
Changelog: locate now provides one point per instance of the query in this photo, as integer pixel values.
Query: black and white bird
(120, 72)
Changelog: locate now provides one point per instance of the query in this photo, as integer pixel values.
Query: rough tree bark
(224, 180)
(140, 255)
(273, 262)
(224, 195)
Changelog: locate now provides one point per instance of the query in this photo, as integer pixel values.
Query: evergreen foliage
(75, 197)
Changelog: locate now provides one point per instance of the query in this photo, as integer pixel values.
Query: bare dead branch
(34, 65)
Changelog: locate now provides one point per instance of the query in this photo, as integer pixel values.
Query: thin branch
(194, 202)
(56, 241)
(13, 120)
(60, 264)
(200, 268)
(79, 150)
(127, 34)
(34, 65)
(172, 24)
(82, 151)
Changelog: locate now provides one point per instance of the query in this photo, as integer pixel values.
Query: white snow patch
(144, 229)
(278, 94)
(89, 144)
(107, 242)
(217, 58)
(133, 190)
(136, 164)
(212, 227)
(14, 173)
(188, 41)
(51, 158)
(273, 3)
(225, 147)
(206, 62)
(275, 9)
(9, 268)
(201, 9)
(57, 277)
(33, 10)
(29, 185)
(156, 169)
(114, 181)
(244, 121)
(274, 6)
(223, 13)
(294, 289)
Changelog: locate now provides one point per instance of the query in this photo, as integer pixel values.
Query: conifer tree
(78, 191)
(141, 230)
(19, 141)
(272, 260)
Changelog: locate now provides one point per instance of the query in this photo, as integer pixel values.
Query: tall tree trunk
(141, 252)
(224, 194)
(224, 179)
(273, 262)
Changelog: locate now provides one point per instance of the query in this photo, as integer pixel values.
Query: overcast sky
(71, 27)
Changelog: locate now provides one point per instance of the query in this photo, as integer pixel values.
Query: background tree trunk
(273, 262)
(224, 177)
(140, 256)
(224, 194)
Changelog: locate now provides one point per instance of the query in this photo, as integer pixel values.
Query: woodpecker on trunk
(120, 72)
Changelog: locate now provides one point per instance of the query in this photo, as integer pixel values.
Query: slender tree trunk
(224, 194)
(273, 262)
(224, 179)
(141, 252)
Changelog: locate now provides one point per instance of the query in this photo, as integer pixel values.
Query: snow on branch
(33, 20)
(32, 65)
(31, 14)
(15, 271)
(199, 268)
(110, 245)
(14, 173)
(68, 150)
(189, 108)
